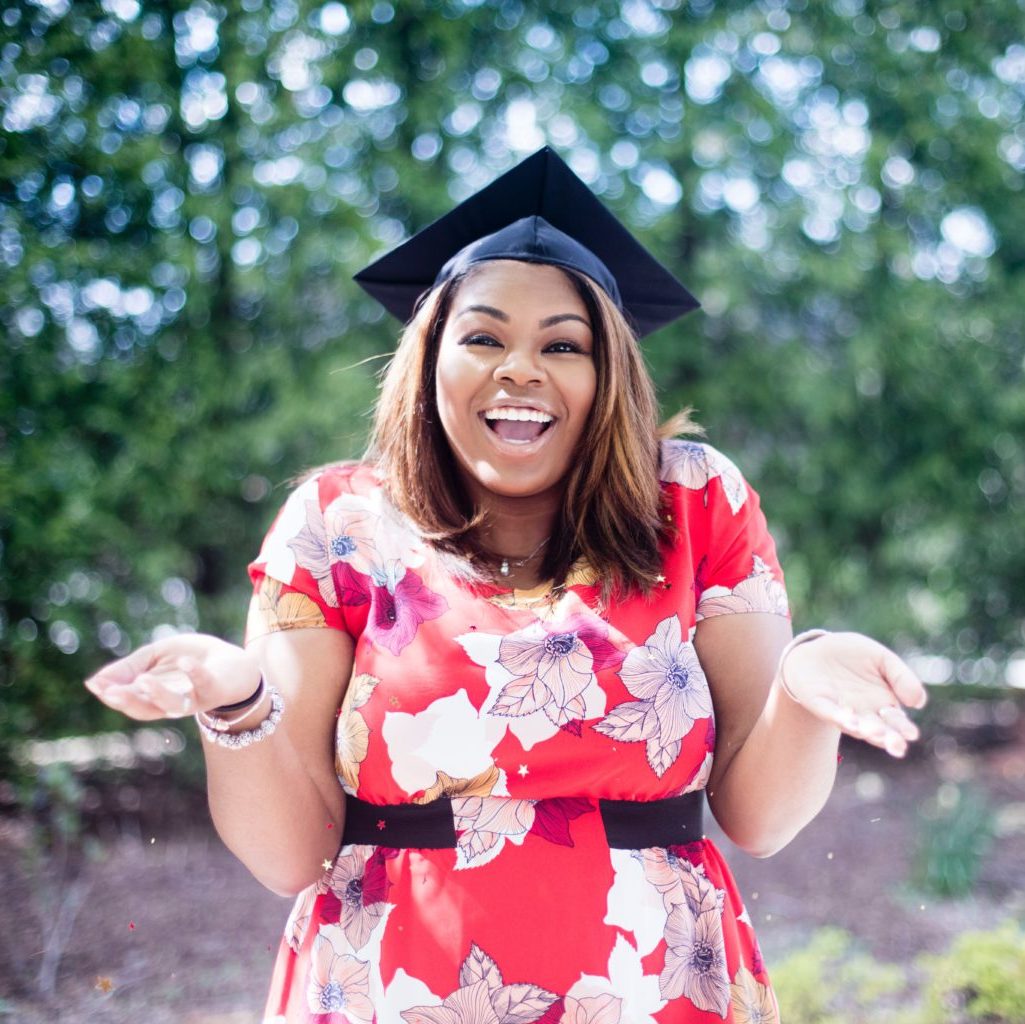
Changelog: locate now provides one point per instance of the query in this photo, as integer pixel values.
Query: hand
(858, 685)
(176, 677)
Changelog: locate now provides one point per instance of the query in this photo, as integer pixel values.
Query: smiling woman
(494, 670)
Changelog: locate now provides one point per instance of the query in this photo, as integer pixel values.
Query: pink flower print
(482, 998)
(695, 964)
(666, 676)
(312, 552)
(400, 603)
(603, 1009)
(484, 824)
(338, 983)
(693, 465)
(759, 592)
(359, 881)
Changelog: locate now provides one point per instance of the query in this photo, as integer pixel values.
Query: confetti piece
(152, 840)
(326, 865)
(330, 825)
(131, 926)
(839, 758)
(829, 856)
(522, 771)
(103, 983)
(381, 825)
(874, 820)
(754, 895)
(768, 917)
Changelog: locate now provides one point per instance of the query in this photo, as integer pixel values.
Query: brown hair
(612, 514)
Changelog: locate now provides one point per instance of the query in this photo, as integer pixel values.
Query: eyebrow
(548, 321)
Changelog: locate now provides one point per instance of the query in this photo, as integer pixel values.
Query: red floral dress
(523, 712)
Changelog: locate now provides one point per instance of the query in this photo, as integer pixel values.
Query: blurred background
(186, 189)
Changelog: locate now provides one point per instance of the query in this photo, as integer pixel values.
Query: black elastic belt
(629, 824)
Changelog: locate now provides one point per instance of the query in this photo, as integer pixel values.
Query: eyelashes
(561, 347)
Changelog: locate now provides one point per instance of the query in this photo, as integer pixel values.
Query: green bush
(831, 981)
(979, 980)
(955, 831)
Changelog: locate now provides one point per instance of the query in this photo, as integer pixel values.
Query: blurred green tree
(186, 188)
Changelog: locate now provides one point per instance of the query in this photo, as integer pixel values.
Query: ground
(179, 932)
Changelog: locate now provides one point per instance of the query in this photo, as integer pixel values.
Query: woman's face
(515, 378)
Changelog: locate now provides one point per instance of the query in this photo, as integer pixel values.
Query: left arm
(775, 759)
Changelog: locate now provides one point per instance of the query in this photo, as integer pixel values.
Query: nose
(520, 367)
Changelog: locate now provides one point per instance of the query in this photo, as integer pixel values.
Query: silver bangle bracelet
(236, 740)
(801, 638)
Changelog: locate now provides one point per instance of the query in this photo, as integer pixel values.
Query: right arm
(277, 804)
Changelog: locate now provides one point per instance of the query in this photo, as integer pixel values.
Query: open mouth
(520, 426)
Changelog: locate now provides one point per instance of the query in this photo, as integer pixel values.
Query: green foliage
(980, 980)
(956, 829)
(830, 981)
(186, 188)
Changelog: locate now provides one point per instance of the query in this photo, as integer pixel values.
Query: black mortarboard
(539, 212)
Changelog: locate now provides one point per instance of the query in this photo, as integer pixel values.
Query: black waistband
(629, 824)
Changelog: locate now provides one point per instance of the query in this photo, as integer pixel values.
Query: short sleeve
(737, 568)
(293, 586)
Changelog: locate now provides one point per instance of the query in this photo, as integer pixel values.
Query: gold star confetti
(326, 865)
(103, 983)
(522, 771)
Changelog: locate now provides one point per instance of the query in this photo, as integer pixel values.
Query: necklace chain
(503, 568)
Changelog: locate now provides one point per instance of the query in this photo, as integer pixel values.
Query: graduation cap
(538, 212)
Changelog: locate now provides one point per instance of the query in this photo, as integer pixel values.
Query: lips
(517, 424)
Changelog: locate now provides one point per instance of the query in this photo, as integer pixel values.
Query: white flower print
(696, 959)
(666, 677)
(338, 983)
(542, 677)
(693, 464)
(484, 824)
(638, 992)
(758, 592)
(753, 1002)
(450, 735)
(298, 922)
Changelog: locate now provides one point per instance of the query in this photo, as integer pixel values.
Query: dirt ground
(179, 932)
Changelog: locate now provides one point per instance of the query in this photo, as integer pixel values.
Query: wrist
(802, 638)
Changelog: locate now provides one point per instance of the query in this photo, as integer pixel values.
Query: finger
(897, 720)
(907, 687)
(122, 671)
(128, 702)
(171, 692)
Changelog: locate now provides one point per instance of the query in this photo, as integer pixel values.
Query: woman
(547, 634)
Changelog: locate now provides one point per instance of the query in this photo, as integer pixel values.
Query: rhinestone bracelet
(247, 737)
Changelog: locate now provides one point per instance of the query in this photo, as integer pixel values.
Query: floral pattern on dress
(666, 677)
(546, 668)
(339, 983)
(523, 716)
(760, 591)
(751, 1001)
(483, 998)
(357, 891)
(352, 734)
(483, 824)
(693, 464)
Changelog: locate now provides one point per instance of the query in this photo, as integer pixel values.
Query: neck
(518, 530)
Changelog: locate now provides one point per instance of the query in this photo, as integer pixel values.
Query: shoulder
(697, 467)
(337, 478)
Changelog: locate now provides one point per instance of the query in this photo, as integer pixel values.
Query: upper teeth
(518, 414)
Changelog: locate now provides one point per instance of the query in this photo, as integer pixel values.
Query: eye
(479, 339)
(559, 347)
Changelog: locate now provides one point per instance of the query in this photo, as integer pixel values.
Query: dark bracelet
(227, 709)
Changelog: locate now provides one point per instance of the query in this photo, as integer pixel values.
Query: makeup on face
(516, 378)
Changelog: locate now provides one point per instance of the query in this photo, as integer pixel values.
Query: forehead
(514, 286)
